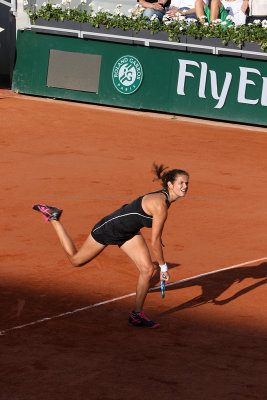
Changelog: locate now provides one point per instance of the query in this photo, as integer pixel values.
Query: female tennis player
(122, 228)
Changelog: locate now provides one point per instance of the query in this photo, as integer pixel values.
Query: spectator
(154, 7)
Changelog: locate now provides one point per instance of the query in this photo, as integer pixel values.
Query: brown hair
(168, 176)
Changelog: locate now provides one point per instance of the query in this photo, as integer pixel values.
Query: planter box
(143, 34)
(153, 40)
(146, 37)
(255, 47)
(211, 42)
(169, 44)
(160, 36)
(226, 49)
(54, 26)
(106, 34)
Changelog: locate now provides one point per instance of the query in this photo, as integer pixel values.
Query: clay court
(64, 330)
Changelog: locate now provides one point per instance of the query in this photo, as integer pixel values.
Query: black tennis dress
(124, 223)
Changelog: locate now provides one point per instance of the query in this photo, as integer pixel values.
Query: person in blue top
(122, 228)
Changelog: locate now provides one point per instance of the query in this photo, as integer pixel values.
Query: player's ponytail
(157, 170)
(168, 176)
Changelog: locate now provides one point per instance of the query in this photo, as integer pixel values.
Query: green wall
(215, 87)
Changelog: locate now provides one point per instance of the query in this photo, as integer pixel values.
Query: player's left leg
(136, 248)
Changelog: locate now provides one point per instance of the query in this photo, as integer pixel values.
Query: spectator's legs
(149, 12)
(200, 6)
(215, 6)
(193, 15)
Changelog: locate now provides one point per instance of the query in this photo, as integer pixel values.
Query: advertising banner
(194, 84)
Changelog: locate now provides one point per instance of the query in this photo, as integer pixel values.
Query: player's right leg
(90, 249)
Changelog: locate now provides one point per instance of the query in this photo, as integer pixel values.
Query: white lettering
(216, 93)
(244, 81)
(203, 78)
(225, 88)
(183, 73)
(264, 92)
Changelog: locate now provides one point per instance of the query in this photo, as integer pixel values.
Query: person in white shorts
(237, 10)
(183, 7)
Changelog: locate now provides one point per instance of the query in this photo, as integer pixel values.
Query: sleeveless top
(124, 223)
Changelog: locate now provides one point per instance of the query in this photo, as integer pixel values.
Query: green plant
(226, 31)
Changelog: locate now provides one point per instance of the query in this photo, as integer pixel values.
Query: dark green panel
(244, 81)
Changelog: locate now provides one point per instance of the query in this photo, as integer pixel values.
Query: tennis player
(122, 228)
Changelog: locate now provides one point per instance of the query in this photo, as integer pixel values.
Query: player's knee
(75, 261)
(147, 270)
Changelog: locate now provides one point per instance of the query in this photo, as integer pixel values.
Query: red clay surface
(90, 161)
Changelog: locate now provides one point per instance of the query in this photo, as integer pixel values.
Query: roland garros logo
(127, 74)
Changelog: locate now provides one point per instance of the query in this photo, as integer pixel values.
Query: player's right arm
(156, 206)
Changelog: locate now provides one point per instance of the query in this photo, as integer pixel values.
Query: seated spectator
(183, 7)
(237, 9)
(220, 9)
(153, 7)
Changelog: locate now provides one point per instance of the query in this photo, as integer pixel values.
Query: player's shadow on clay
(214, 285)
(154, 281)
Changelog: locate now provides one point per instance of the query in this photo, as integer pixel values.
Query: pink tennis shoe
(140, 319)
(49, 213)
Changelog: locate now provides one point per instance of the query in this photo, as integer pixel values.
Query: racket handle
(162, 287)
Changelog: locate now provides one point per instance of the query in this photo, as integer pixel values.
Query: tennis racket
(162, 287)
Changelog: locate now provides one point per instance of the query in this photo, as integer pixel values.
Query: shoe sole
(145, 326)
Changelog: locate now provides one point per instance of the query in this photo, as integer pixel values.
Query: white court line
(211, 272)
(39, 321)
